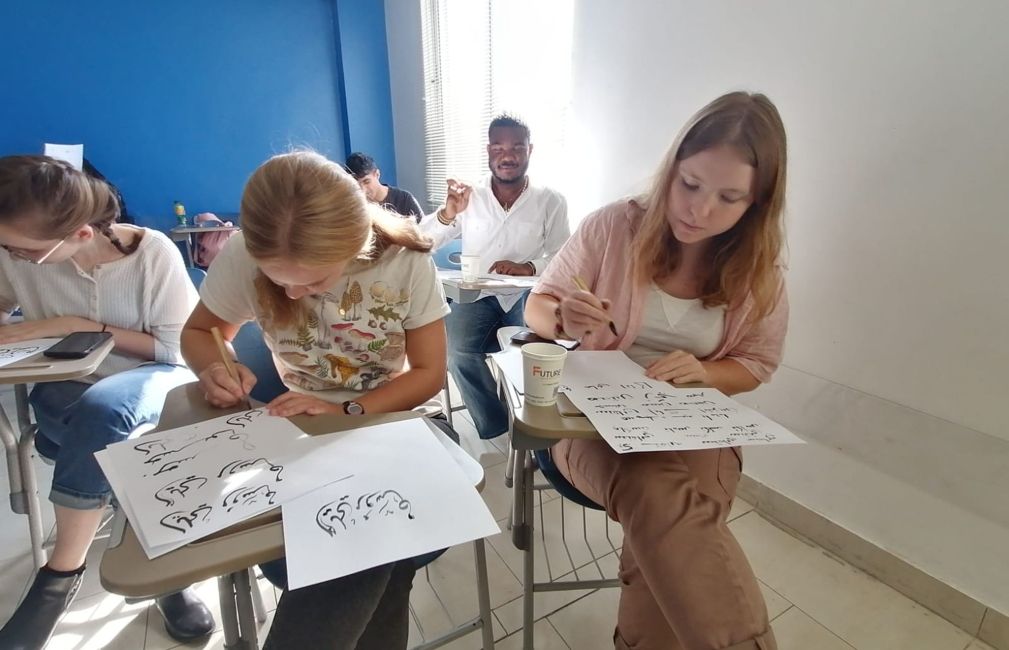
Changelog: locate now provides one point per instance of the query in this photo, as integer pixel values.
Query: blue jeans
(76, 419)
(472, 335)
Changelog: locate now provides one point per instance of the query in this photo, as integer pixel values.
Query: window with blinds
(484, 57)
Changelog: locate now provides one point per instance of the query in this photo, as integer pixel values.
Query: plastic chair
(449, 256)
(251, 352)
(197, 276)
(522, 521)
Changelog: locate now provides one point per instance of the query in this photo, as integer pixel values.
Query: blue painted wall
(174, 100)
(364, 59)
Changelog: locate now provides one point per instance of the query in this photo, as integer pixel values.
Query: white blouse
(148, 291)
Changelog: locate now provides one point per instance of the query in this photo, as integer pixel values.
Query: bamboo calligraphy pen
(584, 287)
(229, 364)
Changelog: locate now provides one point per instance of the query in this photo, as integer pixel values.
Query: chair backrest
(197, 276)
(251, 350)
(449, 256)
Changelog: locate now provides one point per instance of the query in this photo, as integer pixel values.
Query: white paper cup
(542, 365)
(470, 267)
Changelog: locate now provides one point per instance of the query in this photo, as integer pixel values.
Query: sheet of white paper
(490, 280)
(122, 497)
(635, 413)
(72, 153)
(14, 352)
(509, 362)
(186, 483)
(516, 280)
(394, 492)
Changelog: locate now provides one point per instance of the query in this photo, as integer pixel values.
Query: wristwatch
(353, 408)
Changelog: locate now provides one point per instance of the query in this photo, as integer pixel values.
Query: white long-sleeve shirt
(533, 230)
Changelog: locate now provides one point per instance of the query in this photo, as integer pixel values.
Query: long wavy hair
(300, 207)
(50, 199)
(743, 260)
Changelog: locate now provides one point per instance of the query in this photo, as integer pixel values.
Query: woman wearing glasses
(72, 268)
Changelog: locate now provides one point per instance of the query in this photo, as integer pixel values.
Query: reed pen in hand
(229, 365)
(584, 287)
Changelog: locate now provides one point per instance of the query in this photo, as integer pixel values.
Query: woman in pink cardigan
(690, 276)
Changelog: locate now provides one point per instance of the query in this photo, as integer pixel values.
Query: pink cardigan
(600, 253)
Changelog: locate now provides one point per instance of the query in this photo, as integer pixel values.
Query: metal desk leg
(189, 250)
(528, 577)
(257, 597)
(24, 496)
(483, 595)
(30, 493)
(10, 441)
(238, 616)
(522, 499)
(229, 617)
(246, 609)
(509, 477)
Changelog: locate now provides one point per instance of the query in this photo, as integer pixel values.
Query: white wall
(897, 114)
(406, 79)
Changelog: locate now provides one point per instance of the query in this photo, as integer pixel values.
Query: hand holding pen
(582, 313)
(226, 383)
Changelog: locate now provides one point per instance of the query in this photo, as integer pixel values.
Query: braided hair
(63, 198)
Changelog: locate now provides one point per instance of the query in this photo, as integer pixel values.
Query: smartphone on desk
(528, 336)
(77, 345)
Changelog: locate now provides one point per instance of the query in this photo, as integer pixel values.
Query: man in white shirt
(516, 228)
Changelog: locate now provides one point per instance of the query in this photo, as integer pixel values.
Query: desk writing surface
(126, 570)
(179, 233)
(40, 368)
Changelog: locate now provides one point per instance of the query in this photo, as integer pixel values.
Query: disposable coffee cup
(542, 365)
(470, 267)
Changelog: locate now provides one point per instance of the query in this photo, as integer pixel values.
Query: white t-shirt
(147, 291)
(352, 338)
(670, 323)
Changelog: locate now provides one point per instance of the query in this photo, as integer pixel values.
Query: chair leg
(528, 573)
(483, 595)
(229, 617)
(10, 442)
(510, 467)
(238, 615)
(246, 609)
(257, 597)
(448, 402)
(29, 486)
(31, 496)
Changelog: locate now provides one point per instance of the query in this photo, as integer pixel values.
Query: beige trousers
(685, 581)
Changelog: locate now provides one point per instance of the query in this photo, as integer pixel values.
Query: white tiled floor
(816, 602)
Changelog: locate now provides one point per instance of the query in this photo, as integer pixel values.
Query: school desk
(188, 235)
(20, 445)
(229, 553)
(466, 292)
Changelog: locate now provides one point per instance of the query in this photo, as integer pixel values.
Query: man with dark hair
(362, 167)
(516, 228)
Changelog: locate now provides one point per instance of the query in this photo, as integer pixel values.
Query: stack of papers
(349, 500)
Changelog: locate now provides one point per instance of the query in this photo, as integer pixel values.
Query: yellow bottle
(180, 213)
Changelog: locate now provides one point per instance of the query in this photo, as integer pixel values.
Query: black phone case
(77, 345)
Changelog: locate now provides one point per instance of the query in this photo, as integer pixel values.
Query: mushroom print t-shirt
(346, 341)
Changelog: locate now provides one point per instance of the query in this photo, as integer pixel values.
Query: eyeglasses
(30, 256)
